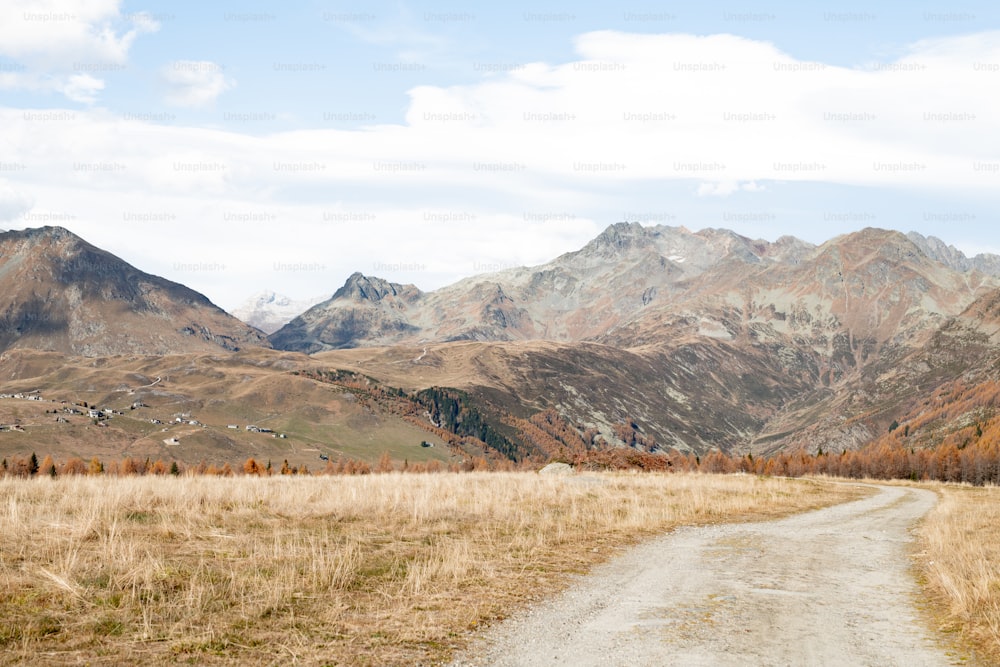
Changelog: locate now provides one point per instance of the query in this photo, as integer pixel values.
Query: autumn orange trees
(976, 461)
(251, 467)
(28, 467)
(48, 467)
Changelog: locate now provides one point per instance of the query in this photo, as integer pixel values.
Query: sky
(237, 147)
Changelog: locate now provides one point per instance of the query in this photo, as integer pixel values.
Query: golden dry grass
(380, 569)
(960, 565)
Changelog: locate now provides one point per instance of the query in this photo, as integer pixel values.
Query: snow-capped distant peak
(269, 311)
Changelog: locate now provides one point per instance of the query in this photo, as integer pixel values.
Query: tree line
(30, 466)
(948, 463)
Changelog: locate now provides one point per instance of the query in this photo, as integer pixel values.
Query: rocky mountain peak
(48, 232)
(360, 287)
(871, 237)
(954, 258)
(790, 249)
(868, 245)
(618, 238)
(726, 243)
(937, 249)
(36, 240)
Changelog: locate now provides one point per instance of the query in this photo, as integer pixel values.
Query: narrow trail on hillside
(829, 587)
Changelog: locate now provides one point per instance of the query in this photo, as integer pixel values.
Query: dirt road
(829, 587)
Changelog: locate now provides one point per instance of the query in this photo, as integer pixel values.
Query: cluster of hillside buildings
(103, 414)
(25, 397)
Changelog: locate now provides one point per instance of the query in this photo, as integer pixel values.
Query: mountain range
(631, 281)
(654, 337)
(700, 340)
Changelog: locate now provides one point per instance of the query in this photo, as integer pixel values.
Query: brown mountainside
(701, 340)
(60, 293)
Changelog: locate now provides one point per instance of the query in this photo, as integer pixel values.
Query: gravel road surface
(829, 587)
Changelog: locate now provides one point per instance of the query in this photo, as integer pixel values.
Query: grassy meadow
(374, 569)
(959, 565)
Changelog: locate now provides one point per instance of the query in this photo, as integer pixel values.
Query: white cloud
(55, 40)
(82, 88)
(57, 33)
(526, 154)
(76, 87)
(722, 112)
(194, 83)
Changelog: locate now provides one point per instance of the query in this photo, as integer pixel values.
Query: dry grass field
(375, 569)
(959, 565)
